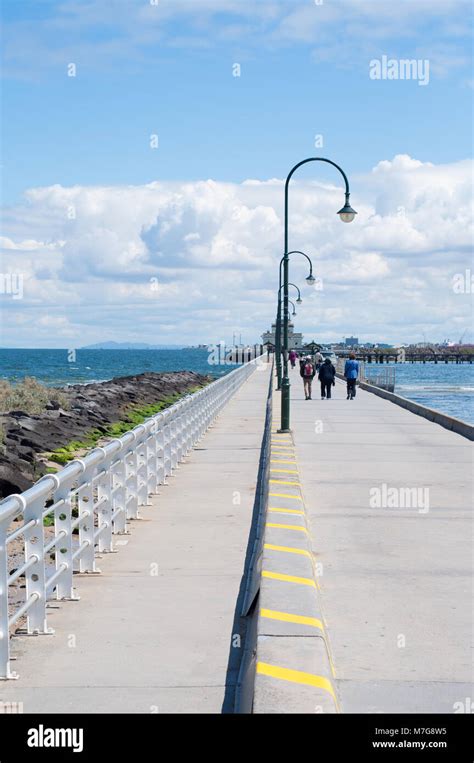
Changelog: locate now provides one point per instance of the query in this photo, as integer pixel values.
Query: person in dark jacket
(327, 375)
(351, 371)
(307, 372)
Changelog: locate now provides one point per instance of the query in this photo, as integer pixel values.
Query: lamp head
(310, 280)
(347, 214)
(299, 301)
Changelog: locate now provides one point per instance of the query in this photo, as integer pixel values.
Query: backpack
(308, 369)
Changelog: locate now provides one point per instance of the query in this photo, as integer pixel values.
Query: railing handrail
(47, 483)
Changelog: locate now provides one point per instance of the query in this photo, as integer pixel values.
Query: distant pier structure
(244, 353)
(410, 355)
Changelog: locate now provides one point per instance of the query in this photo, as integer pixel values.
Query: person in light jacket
(327, 376)
(351, 371)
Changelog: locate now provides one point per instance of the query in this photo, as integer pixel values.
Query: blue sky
(167, 69)
(94, 128)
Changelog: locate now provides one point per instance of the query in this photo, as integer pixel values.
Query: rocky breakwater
(82, 414)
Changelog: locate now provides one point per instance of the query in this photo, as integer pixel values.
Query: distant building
(351, 341)
(295, 339)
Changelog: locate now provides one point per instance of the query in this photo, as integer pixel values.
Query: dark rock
(90, 406)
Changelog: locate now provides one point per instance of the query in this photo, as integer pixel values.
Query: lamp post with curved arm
(310, 281)
(347, 214)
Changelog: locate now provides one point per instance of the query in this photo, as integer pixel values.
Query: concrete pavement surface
(388, 496)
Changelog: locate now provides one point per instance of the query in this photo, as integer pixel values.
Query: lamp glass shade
(347, 214)
(299, 301)
(310, 279)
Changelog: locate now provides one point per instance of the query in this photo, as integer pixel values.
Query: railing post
(35, 576)
(119, 494)
(104, 503)
(5, 671)
(63, 524)
(141, 452)
(85, 508)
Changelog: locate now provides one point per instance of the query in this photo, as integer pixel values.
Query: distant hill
(131, 346)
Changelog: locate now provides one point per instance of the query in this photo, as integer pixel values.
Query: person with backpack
(293, 356)
(327, 376)
(307, 372)
(351, 371)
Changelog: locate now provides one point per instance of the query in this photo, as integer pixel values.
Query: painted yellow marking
(287, 511)
(287, 527)
(285, 495)
(286, 617)
(281, 461)
(288, 578)
(287, 549)
(282, 482)
(284, 471)
(296, 677)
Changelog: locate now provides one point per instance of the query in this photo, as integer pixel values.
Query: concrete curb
(448, 422)
(293, 667)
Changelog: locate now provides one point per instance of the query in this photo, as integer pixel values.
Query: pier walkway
(155, 632)
(365, 565)
(396, 583)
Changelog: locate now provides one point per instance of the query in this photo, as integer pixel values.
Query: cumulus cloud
(193, 262)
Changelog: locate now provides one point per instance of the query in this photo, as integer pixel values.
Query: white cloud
(134, 29)
(202, 257)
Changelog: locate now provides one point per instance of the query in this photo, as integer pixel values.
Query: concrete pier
(366, 572)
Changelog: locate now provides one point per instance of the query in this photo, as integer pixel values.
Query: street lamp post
(347, 214)
(278, 344)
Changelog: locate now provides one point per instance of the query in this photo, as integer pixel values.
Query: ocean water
(445, 387)
(54, 368)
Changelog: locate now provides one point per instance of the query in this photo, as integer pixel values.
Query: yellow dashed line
(296, 677)
(282, 482)
(286, 617)
(281, 461)
(287, 549)
(288, 578)
(287, 527)
(285, 495)
(284, 471)
(287, 511)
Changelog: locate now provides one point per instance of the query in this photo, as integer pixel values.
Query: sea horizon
(448, 388)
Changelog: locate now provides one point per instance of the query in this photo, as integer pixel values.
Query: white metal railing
(91, 499)
(378, 376)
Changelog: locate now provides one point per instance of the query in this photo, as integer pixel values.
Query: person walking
(318, 360)
(293, 356)
(307, 372)
(351, 371)
(327, 376)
